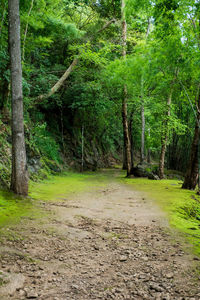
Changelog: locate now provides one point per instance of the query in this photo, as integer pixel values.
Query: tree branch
(60, 82)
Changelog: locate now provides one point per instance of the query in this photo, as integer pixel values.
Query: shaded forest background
(80, 125)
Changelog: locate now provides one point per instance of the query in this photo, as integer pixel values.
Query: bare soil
(106, 243)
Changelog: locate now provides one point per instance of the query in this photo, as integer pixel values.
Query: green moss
(13, 208)
(64, 184)
(182, 206)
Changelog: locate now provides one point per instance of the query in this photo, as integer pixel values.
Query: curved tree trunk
(19, 180)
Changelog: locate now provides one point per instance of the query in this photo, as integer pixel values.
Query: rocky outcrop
(145, 170)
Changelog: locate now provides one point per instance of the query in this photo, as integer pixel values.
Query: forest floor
(107, 241)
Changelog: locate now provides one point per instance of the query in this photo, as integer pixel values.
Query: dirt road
(106, 243)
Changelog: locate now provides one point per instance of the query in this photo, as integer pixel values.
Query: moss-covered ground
(13, 208)
(65, 184)
(182, 206)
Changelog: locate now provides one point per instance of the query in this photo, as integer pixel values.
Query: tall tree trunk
(142, 122)
(165, 137)
(131, 140)
(142, 133)
(82, 148)
(149, 149)
(192, 173)
(124, 166)
(149, 156)
(19, 180)
(124, 100)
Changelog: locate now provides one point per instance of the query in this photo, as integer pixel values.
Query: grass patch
(181, 206)
(65, 184)
(13, 208)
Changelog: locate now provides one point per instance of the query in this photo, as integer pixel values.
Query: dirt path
(107, 243)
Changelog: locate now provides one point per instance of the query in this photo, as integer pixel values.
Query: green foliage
(43, 140)
(162, 57)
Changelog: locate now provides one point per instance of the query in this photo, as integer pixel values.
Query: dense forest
(103, 81)
(99, 149)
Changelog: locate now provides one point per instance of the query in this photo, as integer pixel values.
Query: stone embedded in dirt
(10, 282)
(74, 286)
(96, 247)
(145, 258)
(169, 275)
(22, 293)
(31, 294)
(123, 258)
(196, 258)
(156, 287)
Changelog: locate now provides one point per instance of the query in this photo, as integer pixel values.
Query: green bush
(44, 141)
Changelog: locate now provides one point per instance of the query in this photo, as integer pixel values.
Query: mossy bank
(181, 206)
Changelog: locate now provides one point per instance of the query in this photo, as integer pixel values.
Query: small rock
(74, 286)
(145, 258)
(123, 258)
(31, 295)
(196, 258)
(22, 293)
(96, 247)
(156, 287)
(169, 275)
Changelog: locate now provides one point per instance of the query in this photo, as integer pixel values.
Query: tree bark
(124, 167)
(164, 137)
(142, 122)
(131, 140)
(192, 173)
(149, 149)
(124, 100)
(142, 133)
(19, 179)
(149, 156)
(82, 148)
